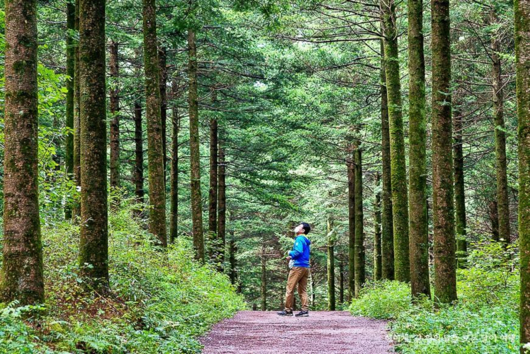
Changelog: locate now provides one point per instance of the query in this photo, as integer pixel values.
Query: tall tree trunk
(221, 195)
(22, 270)
(360, 273)
(76, 209)
(522, 55)
(195, 163)
(263, 279)
(173, 226)
(162, 59)
(460, 200)
(494, 219)
(115, 120)
(331, 268)
(212, 195)
(155, 151)
(500, 140)
(351, 224)
(419, 225)
(397, 144)
(70, 71)
(93, 249)
(232, 259)
(377, 232)
(341, 281)
(139, 154)
(387, 236)
(442, 159)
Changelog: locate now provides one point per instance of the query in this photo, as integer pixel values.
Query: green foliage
(484, 320)
(159, 302)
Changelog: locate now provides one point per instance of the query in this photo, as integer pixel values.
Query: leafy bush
(159, 301)
(484, 320)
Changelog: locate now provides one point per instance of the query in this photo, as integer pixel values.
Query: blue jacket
(300, 251)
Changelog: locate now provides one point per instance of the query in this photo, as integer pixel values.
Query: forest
(156, 155)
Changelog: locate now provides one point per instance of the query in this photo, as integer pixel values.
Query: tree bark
(76, 209)
(70, 71)
(195, 163)
(331, 268)
(442, 159)
(263, 279)
(397, 144)
(460, 199)
(93, 249)
(22, 269)
(360, 273)
(341, 282)
(419, 224)
(221, 219)
(155, 151)
(351, 224)
(377, 232)
(233, 262)
(522, 55)
(139, 154)
(162, 59)
(500, 140)
(173, 226)
(212, 196)
(115, 117)
(494, 219)
(387, 236)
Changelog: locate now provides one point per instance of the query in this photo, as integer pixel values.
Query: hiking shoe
(285, 313)
(302, 314)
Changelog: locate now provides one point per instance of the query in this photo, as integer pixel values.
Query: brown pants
(297, 275)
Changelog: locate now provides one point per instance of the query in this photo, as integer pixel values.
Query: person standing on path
(299, 273)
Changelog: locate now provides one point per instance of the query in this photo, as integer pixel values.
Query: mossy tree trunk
(212, 195)
(341, 281)
(503, 203)
(193, 102)
(174, 177)
(397, 144)
(70, 71)
(93, 249)
(460, 199)
(221, 222)
(494, 219)
(155, 147)
(387, 235)
(351, 224)
(331, 267)
(442, 157)
(162, 60)
(22, 269)
(377, 231)
(360, 271)
(522, 55)
(138, 175)
(76, 209)
(419, 224)
(115, 117)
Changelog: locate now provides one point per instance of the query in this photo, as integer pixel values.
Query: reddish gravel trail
(321, 332)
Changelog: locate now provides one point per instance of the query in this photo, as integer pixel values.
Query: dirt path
(321, 332)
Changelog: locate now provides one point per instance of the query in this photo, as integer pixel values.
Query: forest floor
(322, 332)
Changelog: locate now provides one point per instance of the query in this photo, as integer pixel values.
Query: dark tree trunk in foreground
(138, 175)
(212, 195)
(70, 71)
(351, 225)
(162, 60)
(22, 270)
(442, 157)
(263, 280)
(174, 180)
(494, 219)
(221, 218)
(419, 225)
(155, 151)
(115, 117)
(522, 45)
(360, 273)
(387, 235)
(397, 144)
(76, 209)
(195, 163)
(331, 268)
(460, 199)
(377, 232)
(93, 249)
(232, 249)
(503, 203)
